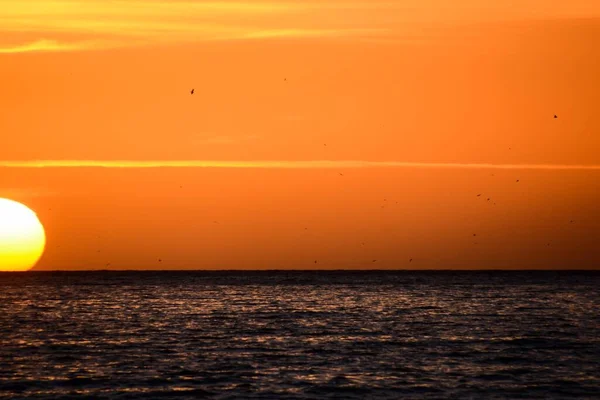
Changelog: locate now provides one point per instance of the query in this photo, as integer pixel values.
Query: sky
(321, 134)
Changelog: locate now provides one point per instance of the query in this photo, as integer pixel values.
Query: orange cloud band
(315, 164)
(77, 25)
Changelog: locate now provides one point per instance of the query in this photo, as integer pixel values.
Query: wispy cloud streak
(61, 25)
(76, 25)
(316, 164)
(45, 45)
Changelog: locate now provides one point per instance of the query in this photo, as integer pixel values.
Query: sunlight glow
(22, 237)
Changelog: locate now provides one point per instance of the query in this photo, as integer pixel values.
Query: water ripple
(303, 335)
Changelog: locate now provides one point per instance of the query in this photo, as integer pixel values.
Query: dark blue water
(304, 335)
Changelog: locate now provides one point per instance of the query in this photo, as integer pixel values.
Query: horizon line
(506, 269)
(307, 164)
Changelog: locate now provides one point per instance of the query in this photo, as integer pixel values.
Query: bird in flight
(555, 116)
(192, 91)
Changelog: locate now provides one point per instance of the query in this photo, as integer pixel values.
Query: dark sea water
(300, 335)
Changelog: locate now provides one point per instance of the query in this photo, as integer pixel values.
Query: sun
(22, 237)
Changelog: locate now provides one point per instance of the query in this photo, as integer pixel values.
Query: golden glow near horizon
(22, 237)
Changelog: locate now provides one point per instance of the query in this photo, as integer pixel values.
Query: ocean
(300, 335)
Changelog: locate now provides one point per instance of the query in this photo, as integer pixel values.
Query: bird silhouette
(192, 91)
(410, 260)
(555, 116)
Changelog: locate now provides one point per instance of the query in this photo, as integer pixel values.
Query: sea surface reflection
(305, 335)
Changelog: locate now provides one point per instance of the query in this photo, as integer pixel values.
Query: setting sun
(22, 237)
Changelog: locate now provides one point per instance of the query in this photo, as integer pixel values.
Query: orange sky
(281, 85)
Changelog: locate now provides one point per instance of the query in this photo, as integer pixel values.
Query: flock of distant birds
(341, 174)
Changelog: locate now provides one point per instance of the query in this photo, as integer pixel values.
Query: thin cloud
(291, 33)
(316, 164)
(75, 25)
(95, 24)
(49, 45)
